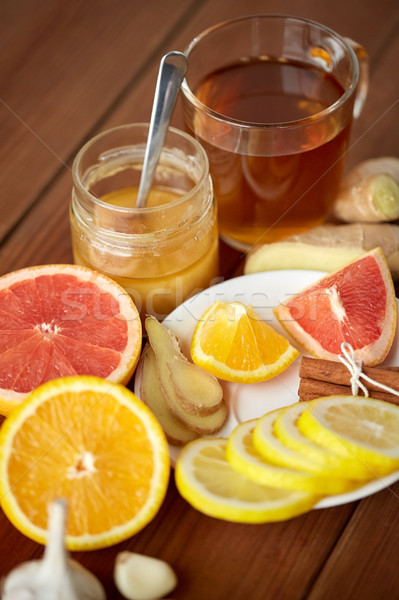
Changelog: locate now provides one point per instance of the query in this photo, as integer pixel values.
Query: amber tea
(267, 197)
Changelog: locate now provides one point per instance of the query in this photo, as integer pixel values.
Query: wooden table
(71, 69)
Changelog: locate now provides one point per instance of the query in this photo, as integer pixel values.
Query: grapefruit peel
(355, 304)
(63, 320)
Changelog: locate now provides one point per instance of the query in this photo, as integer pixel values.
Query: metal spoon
(171, 72)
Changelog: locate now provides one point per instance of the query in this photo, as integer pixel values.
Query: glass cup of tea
(271, 98)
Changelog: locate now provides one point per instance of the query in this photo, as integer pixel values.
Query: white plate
(264, 291)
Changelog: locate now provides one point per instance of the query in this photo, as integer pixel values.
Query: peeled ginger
(369, 192)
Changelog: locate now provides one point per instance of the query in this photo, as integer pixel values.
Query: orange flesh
(103, 464)
(248, 344)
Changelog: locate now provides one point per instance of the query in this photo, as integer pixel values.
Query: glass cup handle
(363, 84)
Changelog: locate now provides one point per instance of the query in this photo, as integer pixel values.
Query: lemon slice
(365, 428)
(244, 457)
(210, 484)
(275, 451)
(287, 431)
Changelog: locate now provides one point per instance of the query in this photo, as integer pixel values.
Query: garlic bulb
(55, 576)
(140, 577)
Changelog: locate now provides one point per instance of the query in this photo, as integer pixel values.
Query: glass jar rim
(78, 182)
(191, 97)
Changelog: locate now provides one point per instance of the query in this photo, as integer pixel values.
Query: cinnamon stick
(309, 389)
(335, 372)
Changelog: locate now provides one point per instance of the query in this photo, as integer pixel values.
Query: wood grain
(66, 68)
(69, 70)
(360, 564)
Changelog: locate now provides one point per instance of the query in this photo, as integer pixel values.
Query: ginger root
(182, 392)
(152, 395)
(199, 392)
(369, 192)
(327, 248)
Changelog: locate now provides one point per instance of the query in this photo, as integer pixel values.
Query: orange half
(93, 443)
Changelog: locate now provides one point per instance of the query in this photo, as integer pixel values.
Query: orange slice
(93, 443)
(232, 342)
(355, 304)
(61, 320)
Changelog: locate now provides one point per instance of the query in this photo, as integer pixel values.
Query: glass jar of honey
(160, 254)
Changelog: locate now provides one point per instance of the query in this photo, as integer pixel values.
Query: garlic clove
(140, 577)
(55, 575)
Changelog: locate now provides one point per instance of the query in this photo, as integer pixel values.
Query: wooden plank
(135, 105)
(364, 562)
(258, 562)
(214, 558)
(66, 66)
(273, 561)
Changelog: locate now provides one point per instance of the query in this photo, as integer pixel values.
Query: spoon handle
(171, 72)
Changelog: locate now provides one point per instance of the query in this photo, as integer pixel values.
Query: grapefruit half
(355, 304)
(59, 320)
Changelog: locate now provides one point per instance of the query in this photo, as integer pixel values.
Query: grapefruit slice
(59, 320)
(355, 304)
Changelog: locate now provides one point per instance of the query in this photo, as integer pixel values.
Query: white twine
(348, 358)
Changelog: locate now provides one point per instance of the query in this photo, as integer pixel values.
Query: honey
(163, 253)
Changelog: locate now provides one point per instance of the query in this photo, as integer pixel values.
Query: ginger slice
(369, 192)
(327, 248)
(166, 347)
(199, 392)
(152, 395)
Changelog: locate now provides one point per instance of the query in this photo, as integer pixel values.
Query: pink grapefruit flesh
(59, 320)
(356, 304)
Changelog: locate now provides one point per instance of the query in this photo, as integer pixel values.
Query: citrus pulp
(244, 456)
(61, 320)
(93, 443)
(355, 426)
(355, 304)
(233, 343)
(210, 484)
